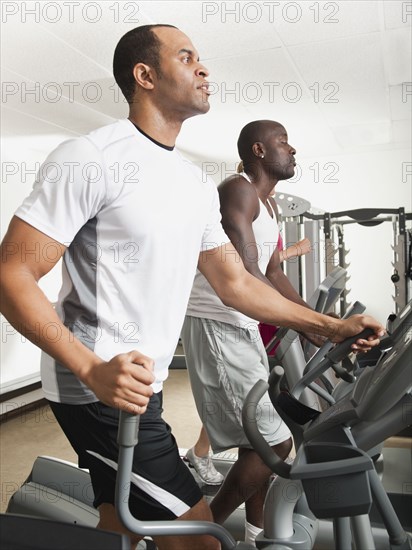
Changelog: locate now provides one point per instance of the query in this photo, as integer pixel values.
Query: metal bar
(127, 439)
(362, 532)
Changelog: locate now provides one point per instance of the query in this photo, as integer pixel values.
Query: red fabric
(267, 332)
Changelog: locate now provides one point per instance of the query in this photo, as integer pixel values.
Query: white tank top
(205, 303)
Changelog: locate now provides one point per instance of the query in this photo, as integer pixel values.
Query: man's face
(181, 88)
(280, 156)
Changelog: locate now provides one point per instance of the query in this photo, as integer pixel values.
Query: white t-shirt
(205, 303)
(135, 216)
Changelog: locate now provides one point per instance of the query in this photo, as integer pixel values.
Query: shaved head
(255, 131)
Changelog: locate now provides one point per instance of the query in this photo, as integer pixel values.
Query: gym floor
(34, 433)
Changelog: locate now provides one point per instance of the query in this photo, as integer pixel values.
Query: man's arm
(237, 288)
(119, 382)
(278, 279)
(239, 206)
(295, 250)
(275, 273)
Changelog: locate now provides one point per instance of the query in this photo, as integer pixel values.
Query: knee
(283, 449)
(199, 512)
(109, 521)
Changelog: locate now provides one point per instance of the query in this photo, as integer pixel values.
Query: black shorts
(162, 487)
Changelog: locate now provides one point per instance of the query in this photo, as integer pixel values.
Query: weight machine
(325, 230)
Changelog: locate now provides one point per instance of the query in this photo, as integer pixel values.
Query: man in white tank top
(224, 352)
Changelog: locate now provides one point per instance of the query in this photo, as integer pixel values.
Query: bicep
(241, 235)
(26, 249)
(222, 267)
(237, 218)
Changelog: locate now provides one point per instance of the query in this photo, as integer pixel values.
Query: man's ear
(143, 76)
(258, 149)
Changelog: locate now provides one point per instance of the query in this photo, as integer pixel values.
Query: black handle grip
(340, 351)
(344, 374)
(275, 377)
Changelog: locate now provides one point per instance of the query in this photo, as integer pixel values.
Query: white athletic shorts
(224, 363)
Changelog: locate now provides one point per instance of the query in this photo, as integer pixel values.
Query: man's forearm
(282, 284)
(267, 305)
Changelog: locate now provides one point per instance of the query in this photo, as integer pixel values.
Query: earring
(262, 156)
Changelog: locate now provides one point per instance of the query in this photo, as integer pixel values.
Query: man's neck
(156, 126)
(264, 185)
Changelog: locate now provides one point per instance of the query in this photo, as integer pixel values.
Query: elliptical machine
(333, 476)
(330, 446)
(331, 454)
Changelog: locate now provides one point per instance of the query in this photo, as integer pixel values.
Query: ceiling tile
(307, 22)
(219, 29)
(398, 13)
(397, 55)
(347, 78)
(288, 61)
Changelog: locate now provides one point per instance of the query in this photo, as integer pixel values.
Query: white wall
(20, 359)
(379, 179)
(376, 179)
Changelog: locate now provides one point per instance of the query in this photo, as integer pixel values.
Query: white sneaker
(204, 468)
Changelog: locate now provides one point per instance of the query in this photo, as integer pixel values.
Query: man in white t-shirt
(132, 220)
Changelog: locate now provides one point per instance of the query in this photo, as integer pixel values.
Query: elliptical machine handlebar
(252, 432)
(341, 350)
(249, 411)
(127, 435)
(328, 346)
(328, 357)
(127, 439)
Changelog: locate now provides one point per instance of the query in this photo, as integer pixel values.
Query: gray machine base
(61, 491)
